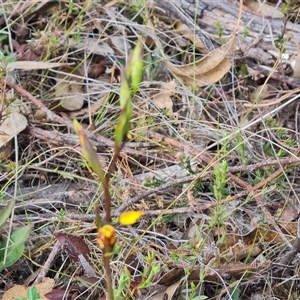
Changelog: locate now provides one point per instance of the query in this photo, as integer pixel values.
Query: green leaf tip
(89, 152)
(136, 67)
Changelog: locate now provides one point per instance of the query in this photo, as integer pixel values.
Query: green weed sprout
(12, 248)
(220, 192)
(31, 294)
(106, 237)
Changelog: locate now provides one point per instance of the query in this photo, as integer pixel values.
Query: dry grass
(218, 224)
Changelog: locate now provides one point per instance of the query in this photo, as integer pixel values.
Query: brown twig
(47, 265)
(293, 82)
(56, 139)
(250, 168)
(55, 196)
(204, 157)
(55, 118)
(269, 103)
(207, 174)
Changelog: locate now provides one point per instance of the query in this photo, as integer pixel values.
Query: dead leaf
(16, 291)
(19, 291)
(189, 34)
(120, 44)
(226, 271)
(191, 200)
(94, 46)
(238, 252)
(295, 62)
(94, 69)
(78, 250)
(171, 290)
(209, 69)
(289, 214)
(168, 293)
(171, 277)
(210, 77)
(267, 234)
(205, 64)
(11, 126)
(73, 244)
(265, 9)
(92, 110)
(56, 294)
(33, 65)
(290, 228)
(6, 150)
(68, 90)
(163, 99)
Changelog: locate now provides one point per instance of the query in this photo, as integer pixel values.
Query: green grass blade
(15, 247)
(6, 212)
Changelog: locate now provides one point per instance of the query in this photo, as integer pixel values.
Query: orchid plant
(106, 237)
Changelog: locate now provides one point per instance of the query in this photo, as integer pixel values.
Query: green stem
(106, 260)
(107, 197)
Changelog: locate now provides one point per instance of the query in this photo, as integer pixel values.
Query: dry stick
(294, 82)
(55, 118)
(191, 150)
(287, 161)
(61, 140)
(72, 139)
(54, 138)
(269, 103)
(117, 212)
(250, 168)
(45, 268)
(259, 199)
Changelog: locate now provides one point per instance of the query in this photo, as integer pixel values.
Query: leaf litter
(211, 105)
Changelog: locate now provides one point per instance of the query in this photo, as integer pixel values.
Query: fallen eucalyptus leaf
(190, 35)
(11, 126)
(68, 90)
(205, 64)
(163, 99)
(210, 77)
(19, 291)
(33, 65)
(264, 9)
(207, 70)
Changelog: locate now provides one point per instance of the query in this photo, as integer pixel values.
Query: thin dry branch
(55, 118)
(250, 189)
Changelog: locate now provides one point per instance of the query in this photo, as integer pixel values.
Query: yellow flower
(130, 217)
(106, 236)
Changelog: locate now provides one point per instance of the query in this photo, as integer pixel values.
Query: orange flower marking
(106, 236)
